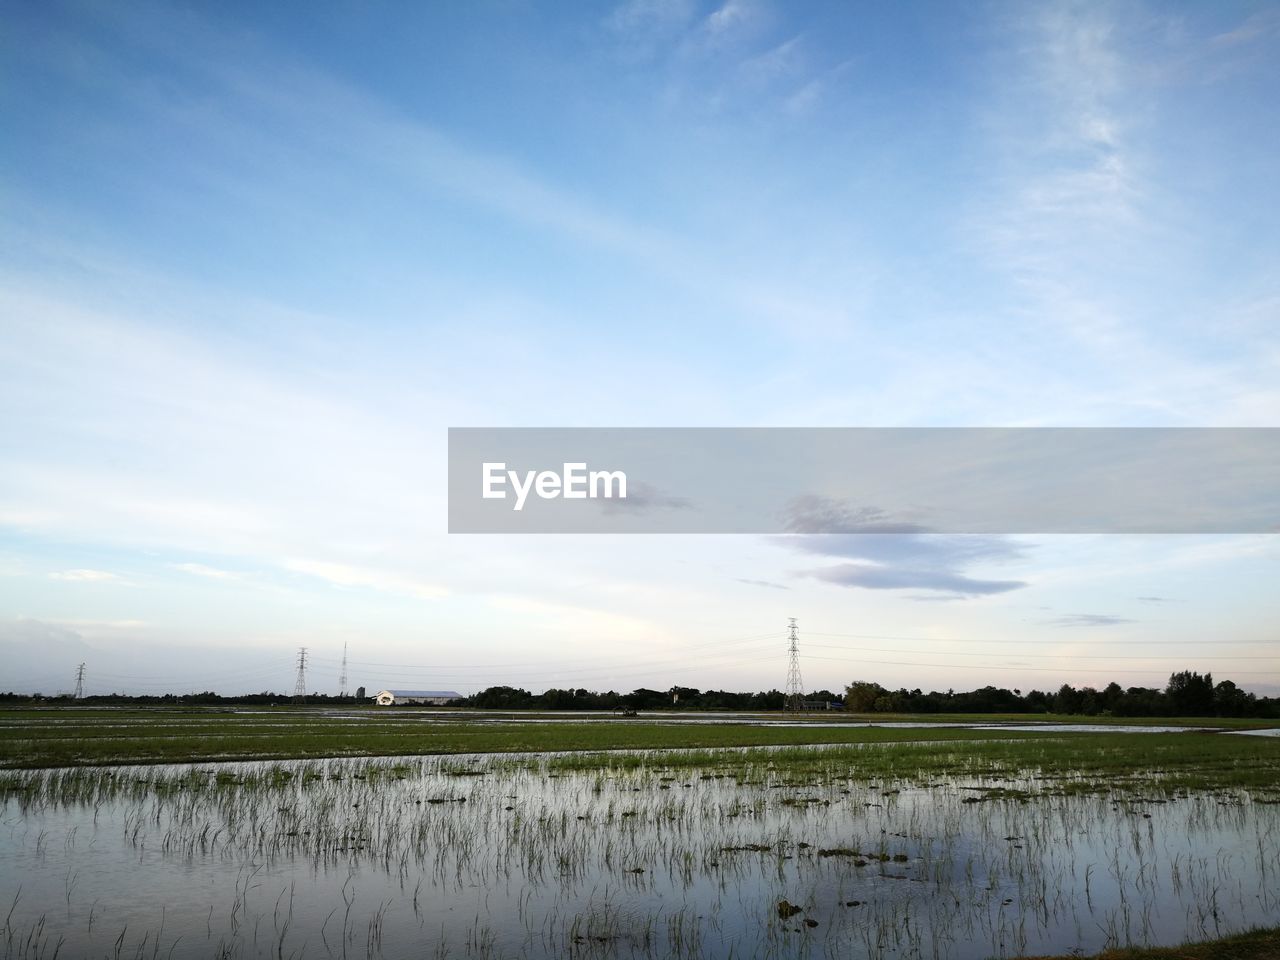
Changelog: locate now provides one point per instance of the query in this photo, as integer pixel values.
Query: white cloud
(1089, 620)
(347, 575)
(86, 576)
(201, 570)
(650, 15)
(778, 61)
(732, 14)
(1257, 26)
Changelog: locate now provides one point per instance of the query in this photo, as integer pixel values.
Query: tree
(1112, 694)
(1090, 701)
(1190, 695)
(1067, 699)
(861, 696)
(1230, 701)
(502, 698)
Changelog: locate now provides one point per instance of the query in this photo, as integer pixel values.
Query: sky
(255, 260)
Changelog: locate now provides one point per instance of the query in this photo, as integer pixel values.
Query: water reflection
(515, 857)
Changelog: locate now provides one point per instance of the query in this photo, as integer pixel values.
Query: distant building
(811, 706)
(435, 698)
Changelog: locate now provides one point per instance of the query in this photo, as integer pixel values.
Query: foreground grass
(1139, 767)
(1208, 723)
(1254, 945)
(1066, 761)
(1100, 763)
(164, 737)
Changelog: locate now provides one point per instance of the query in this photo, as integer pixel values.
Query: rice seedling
(947, 849)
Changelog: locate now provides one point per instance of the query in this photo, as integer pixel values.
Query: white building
(436, 698)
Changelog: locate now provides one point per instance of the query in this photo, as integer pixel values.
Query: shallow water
(495, 857)
(1082, 727)
(753, 720)
(1272, 732)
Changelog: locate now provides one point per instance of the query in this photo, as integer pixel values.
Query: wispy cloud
(872, 577)
(1257, 26)
(1069, 172)
(201, 570)
(766, 584)
(1088, 211)
(737, 58)
(349, 576)
(102, 625)
(778, 62)
(648, 15)
(87, 576)
(1089, 620)
(730, 16)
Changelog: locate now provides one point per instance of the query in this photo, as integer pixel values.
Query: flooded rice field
(741, 853)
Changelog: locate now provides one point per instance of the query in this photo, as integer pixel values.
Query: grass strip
(1263, 944)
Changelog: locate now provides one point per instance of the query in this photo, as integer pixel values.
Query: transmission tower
(300, 686)
(342, 680)
(79, 682)
(795, 686)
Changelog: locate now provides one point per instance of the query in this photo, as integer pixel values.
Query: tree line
(674, 698)
(1187, 694)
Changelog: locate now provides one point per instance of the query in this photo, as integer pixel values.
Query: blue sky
(254, 263)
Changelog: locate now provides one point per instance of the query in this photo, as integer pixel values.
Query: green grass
(1214, 723)
(90, 736)
(1254, 945)
(1101, 763)
(96, 737)
(1123, 767)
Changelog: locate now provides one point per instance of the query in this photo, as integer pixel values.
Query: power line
(79, 682)
(1020, 642)
(633, 668)
(677, 667)
(1016, 669)
(342, 680)
(258, 672)
(1038, 656)
(548, 664)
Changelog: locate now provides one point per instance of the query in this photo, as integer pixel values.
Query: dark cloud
(932, 551)
(762, 583)
(38, 634)
(902, 560)
(1156, 599)
(873, 577)
(40, 656)
(815, 514)
(37, 656)
(643, 498)
(1089, 620)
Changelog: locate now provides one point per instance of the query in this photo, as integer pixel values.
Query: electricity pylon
(795, 686)
(300, 686)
